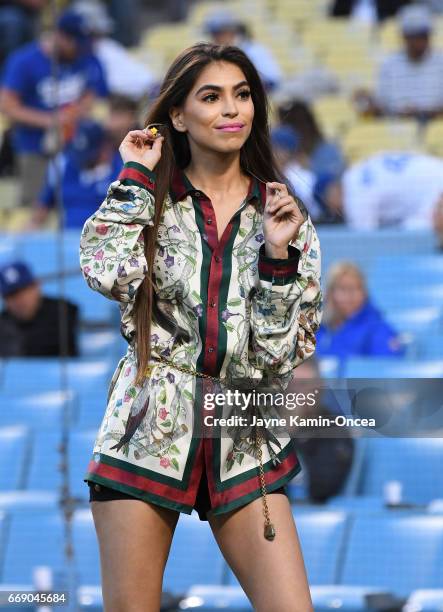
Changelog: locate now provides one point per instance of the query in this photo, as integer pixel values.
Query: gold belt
(269, 529)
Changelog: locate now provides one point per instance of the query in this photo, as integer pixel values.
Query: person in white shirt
(398, 189)
(125, 75)
(410, 81)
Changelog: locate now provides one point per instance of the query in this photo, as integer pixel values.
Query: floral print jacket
(221, 307)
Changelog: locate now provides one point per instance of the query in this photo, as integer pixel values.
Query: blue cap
(285, 137)
(87, 142)
(74, 24)
(219, 21)
(14, 276)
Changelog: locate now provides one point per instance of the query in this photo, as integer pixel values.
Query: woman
(235, 293)
(352, 325)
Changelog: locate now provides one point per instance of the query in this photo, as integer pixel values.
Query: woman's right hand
(142, 147)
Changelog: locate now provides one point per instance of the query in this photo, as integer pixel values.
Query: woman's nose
(230, 107)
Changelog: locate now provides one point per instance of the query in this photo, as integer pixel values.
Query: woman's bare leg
(272, 573)
(134, 541)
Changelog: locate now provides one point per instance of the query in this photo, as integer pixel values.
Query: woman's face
(221, 96)
(347, 295)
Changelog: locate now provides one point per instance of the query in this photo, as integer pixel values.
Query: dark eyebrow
(218, 88)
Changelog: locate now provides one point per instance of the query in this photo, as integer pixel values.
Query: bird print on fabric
(163, 315)
(138, 412)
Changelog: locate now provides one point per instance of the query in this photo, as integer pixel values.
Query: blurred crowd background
(356, 98)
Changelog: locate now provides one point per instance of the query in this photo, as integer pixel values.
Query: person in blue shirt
(31, 94)
(352, 325)
(87, 167)
(89, 163)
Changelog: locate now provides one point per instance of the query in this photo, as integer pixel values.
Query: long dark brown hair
(256, 156)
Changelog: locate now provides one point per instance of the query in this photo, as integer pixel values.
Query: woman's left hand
(282, 217)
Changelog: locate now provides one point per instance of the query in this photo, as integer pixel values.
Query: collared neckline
(181, 186)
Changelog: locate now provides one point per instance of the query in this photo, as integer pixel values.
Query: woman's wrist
(135, 173)
(276, 252)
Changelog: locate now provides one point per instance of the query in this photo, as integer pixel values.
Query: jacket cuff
(137, 174)
(278, 271)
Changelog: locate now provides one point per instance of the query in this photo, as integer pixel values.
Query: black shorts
(202, 503)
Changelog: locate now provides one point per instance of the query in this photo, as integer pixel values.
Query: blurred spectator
(18, 24)
(366, 10)
(126, 16)
(321, 195)
(398, 189)
(124, 74)
(437, 220)
(30, 95)
(87, 166)
(225, 29)
(294, 164)
(177, 9)
(410, 81)
(326, 451)
(351, 324)
(325, 157)
(30, 322)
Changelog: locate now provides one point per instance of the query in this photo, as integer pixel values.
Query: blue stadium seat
(425, 600)
(408, 296)
(45, 373)
(29, 501)
(92, 407)
(207, 560)
(42, 410)
(209, 598)
(81, 444)
(14, 456)
(94, 307)
(429, 346)
(414, 319)
(33, 539)
(391, 367)
(399, 270)
(99, 344)
(398, 553)
(42, 250)
(412, 461)
(321, 534)
(346, 598)
(44, 467)
(8, 251)
(362, 247)
(436, 506)
(356, 503)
